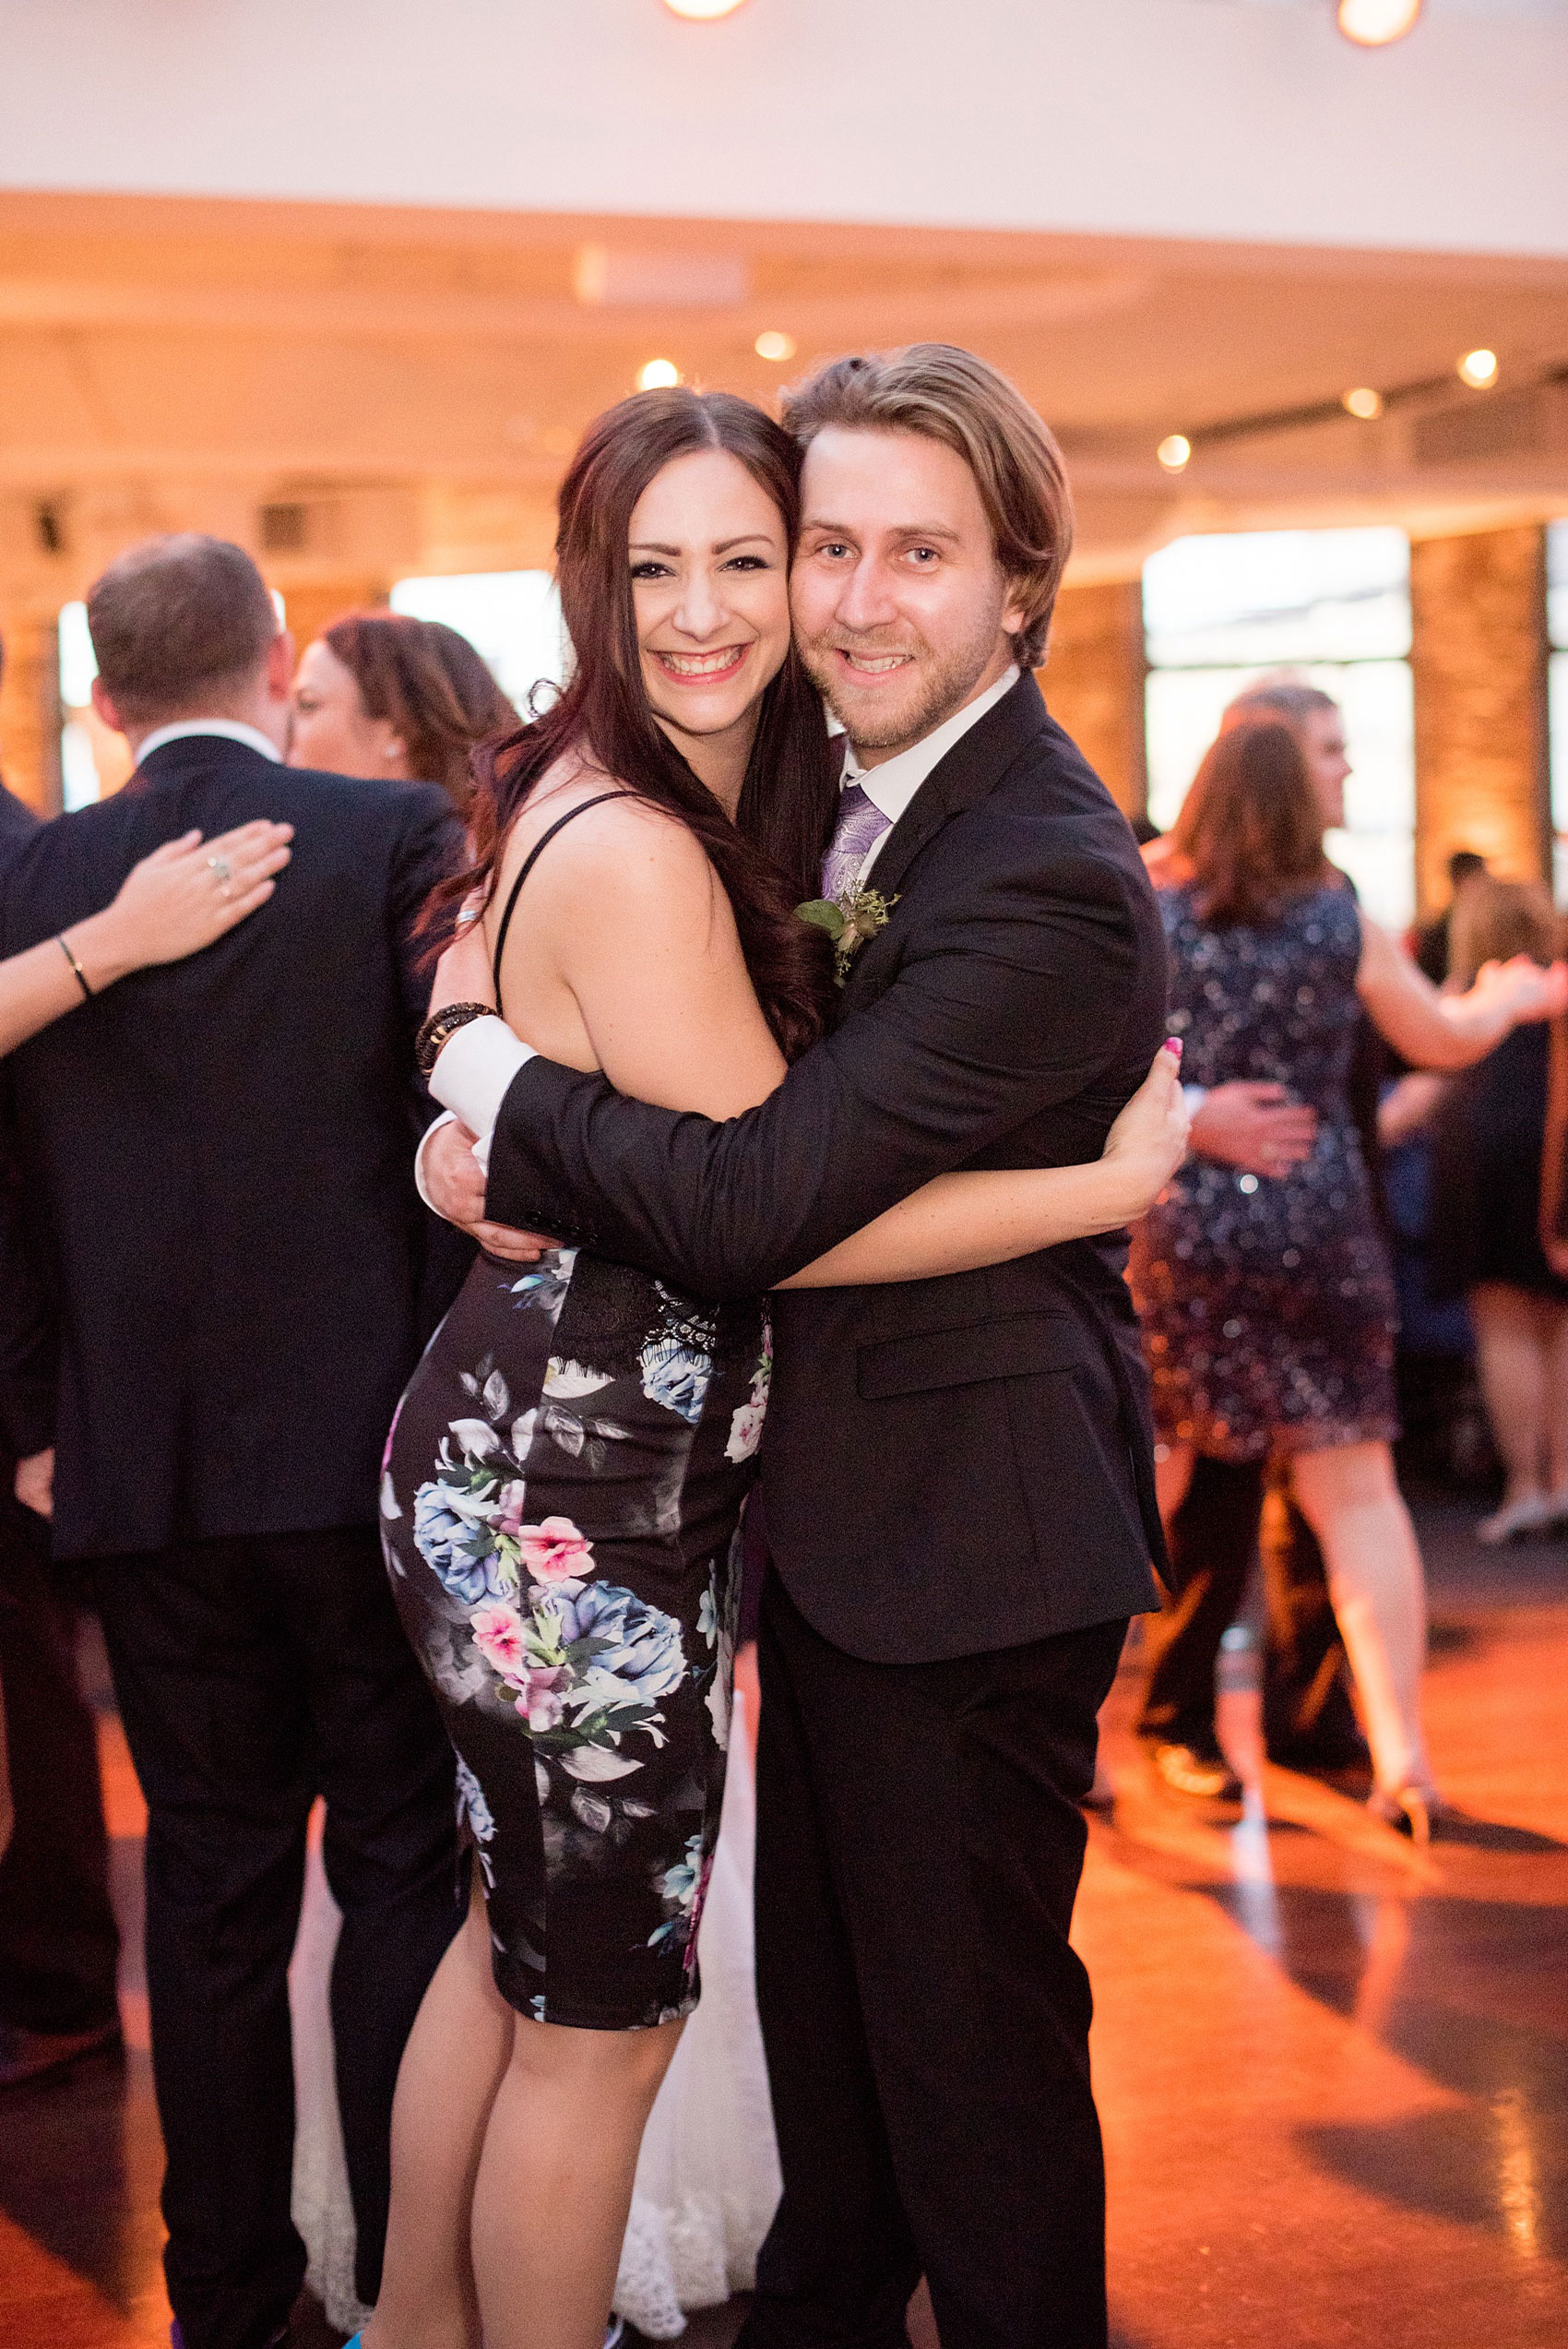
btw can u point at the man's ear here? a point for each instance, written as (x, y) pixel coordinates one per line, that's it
(104, 707)
(280, 665)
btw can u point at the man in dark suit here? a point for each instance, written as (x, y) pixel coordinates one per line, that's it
(957, 1474)
(59, 1943)
(216, 1154)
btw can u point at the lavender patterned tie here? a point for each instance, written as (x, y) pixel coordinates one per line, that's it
(860, 825)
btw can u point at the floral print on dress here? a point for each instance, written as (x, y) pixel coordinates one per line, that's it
(684, 1890)
(544, 1289)
(718, 1619)
(745, 1427)
(677, 1360)
(473, 1815)
(584, 1667)
(561, 1445)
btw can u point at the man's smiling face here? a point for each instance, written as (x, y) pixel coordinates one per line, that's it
(902, 612)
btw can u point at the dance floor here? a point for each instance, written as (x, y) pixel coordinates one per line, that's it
(1334, 2072)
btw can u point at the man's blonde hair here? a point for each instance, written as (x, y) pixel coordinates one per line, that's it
(950, 395)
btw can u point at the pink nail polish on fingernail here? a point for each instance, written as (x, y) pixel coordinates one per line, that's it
(1173, 1046)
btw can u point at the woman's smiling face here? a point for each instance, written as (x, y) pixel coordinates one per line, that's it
(710, 568)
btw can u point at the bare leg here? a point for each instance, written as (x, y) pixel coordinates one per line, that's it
(452, 2067)
(1512, 1367)
(1349, 1497)
(1172, 1475)
(1554, 1317)
(554, 2183)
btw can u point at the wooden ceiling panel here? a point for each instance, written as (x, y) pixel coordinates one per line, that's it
(265, 344)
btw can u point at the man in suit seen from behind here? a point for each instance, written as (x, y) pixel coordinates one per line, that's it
(216, 1160)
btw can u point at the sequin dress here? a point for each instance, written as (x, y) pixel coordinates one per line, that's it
(1267, 1303)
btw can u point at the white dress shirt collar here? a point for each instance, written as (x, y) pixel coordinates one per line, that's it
(230, 729)
(894, 784)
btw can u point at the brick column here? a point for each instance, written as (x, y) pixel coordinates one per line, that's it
(1093, 682)
(1478, 658)
(30, 707)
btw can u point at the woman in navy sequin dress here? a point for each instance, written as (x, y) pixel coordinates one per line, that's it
(1267, 1303)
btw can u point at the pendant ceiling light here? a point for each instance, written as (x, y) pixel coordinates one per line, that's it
(1372, 23)
(702, 8)
(1478, 369)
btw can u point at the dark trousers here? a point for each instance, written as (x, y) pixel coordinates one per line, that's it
(252, 1675)
(919, 1850)
(1213, 1539)
(58, 1939)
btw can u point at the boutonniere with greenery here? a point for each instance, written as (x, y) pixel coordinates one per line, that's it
(850, 921)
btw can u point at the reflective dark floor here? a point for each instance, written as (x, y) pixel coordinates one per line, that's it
(1333, 2072)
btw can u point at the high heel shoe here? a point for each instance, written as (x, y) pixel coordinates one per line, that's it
(1408, 1813)
(1531, 1513)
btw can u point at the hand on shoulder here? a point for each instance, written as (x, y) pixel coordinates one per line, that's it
(1148, 1141)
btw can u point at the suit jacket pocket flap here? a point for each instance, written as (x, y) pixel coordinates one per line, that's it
(1018, 1347)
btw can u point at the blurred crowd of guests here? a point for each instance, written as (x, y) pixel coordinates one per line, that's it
(1274, 1278)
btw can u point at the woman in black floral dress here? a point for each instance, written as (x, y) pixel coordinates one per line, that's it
(565, 1474)
(562, 1489)
(1267, 1301)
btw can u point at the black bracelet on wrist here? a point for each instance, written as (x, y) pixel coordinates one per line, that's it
(64, 946)
(442, 1026)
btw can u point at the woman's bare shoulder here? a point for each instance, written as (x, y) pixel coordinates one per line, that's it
(622, 848)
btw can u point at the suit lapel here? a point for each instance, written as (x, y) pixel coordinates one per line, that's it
(974, 766)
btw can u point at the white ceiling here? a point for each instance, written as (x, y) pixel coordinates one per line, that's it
(1234, 119)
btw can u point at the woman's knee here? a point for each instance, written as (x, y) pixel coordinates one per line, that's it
(1343, 1476)
(628, 2063)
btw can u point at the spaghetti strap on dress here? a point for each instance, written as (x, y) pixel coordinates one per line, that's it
(529, 861)
(562, 1485)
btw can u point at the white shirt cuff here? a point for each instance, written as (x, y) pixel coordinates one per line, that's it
(473, 1073)
(446, 1119)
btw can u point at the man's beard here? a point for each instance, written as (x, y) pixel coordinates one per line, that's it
(946, 682)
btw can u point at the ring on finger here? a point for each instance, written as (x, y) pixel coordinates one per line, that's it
(222, 871)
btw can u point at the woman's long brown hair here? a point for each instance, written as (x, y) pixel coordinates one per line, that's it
(767, 859)
(1249, 828)
(432, 684)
